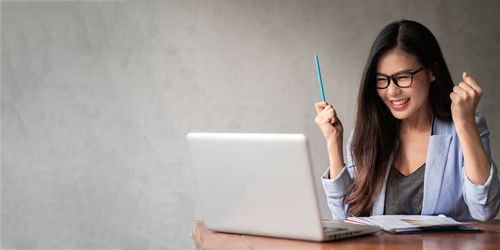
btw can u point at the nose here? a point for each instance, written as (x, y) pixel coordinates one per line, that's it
(392, 89)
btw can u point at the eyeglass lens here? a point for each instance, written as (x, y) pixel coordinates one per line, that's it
(402, 79)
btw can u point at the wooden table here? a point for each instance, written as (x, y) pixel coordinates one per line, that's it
(208, 239)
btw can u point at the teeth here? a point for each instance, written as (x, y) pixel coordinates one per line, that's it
(400, 101)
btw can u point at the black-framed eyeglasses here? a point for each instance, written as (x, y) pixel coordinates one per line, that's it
(402, 79)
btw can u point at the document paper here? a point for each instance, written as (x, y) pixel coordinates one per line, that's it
(414, 223)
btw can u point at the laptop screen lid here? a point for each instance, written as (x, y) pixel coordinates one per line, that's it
(259, 184)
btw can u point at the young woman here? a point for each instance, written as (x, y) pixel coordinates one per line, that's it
(417, 146)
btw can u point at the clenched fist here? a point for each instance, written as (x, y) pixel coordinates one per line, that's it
(464, 100)
(328, 122)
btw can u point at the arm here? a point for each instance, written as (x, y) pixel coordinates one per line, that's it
(465, 98)
(477, 163)
(483, 200)
(481, 184)
(332, 130)
(336, 179)
(336, 157)
(336, 188)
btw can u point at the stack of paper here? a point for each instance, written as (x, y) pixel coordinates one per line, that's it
(414, 223)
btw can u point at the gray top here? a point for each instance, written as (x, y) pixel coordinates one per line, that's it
(404, 194)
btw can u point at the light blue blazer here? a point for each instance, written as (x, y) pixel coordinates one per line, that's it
(447, 190)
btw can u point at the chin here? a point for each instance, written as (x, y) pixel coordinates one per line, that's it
(400, 115)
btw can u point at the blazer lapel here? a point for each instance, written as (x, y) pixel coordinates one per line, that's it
(437, 154)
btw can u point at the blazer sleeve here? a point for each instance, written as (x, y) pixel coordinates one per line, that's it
(483, 200)
(336, 189)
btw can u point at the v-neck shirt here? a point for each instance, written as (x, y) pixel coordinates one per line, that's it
(404, 194)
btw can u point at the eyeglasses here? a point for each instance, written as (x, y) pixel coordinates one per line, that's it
(401, 79)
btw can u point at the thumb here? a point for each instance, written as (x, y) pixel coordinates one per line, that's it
(320, 106)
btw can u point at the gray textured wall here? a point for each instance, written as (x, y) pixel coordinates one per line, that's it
(97, 97)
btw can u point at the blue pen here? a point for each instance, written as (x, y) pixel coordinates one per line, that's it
(319, 78)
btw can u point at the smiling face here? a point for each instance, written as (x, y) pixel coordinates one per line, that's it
(409, 102)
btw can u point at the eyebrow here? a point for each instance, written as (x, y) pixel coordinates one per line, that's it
(401, 71)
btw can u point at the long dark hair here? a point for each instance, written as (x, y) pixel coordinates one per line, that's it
(376, 130)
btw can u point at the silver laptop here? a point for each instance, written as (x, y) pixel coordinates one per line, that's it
(261, 184)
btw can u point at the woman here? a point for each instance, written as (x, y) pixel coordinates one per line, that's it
(417, 146)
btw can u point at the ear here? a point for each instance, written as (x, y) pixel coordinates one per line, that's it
(434, 66)
(433, 78)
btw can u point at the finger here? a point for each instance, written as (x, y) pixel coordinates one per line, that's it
(453, 96)
(328, 108)
(320, 106)
(459, 90)
(467, 89)
(323, 117)
(472, 82)
(334, 117)
(333, 120)
(325, 110)
(327, 114)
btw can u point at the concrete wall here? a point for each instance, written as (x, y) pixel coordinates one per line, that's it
(97, 97)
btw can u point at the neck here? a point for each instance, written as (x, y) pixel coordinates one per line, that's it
(419, 122)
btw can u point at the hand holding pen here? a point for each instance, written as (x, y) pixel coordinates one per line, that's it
(326, 118)
(332, 130)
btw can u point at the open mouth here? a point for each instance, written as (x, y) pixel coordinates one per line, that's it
(399, 104)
